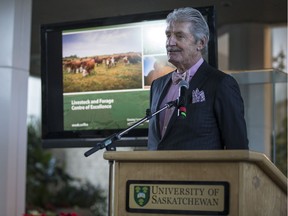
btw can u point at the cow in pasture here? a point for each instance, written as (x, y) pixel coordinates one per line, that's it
(88, 66)
(125, 60)
(132, 59)
(110, 62)
(118, 58)
(73, 66)
(67, 66)
(98, 61)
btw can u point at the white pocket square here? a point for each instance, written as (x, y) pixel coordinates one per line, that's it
(198, 96)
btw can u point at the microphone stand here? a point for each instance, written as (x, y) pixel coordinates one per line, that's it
(117, 136)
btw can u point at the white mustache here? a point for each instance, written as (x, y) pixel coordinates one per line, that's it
(172, 49)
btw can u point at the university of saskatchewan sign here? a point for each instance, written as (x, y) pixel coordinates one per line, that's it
(178, 197)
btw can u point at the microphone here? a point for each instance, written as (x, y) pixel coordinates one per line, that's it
(183, 86)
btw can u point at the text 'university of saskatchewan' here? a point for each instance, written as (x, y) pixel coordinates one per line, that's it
(171, 192)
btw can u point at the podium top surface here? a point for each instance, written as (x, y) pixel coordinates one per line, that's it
(185, 155)
(229, 156)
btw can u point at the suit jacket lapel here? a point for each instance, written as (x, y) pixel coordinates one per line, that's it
(197, 81)
(165, 84)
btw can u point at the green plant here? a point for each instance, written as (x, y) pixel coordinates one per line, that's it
(49, 187)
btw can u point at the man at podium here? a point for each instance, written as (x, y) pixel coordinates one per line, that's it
(212, 115)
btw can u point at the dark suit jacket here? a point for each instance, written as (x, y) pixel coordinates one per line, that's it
(217, 122)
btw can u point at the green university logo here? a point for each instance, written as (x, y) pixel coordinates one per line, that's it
(141, 195)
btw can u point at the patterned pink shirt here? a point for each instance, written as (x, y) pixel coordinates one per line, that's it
(172, 95)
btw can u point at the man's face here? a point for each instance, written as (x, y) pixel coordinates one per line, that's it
(181, 46)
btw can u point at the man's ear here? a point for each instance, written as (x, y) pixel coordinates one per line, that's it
(202, 42)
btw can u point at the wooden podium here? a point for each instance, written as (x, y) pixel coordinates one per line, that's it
(226, 182)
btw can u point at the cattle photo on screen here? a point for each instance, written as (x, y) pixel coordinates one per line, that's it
(107, 74)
